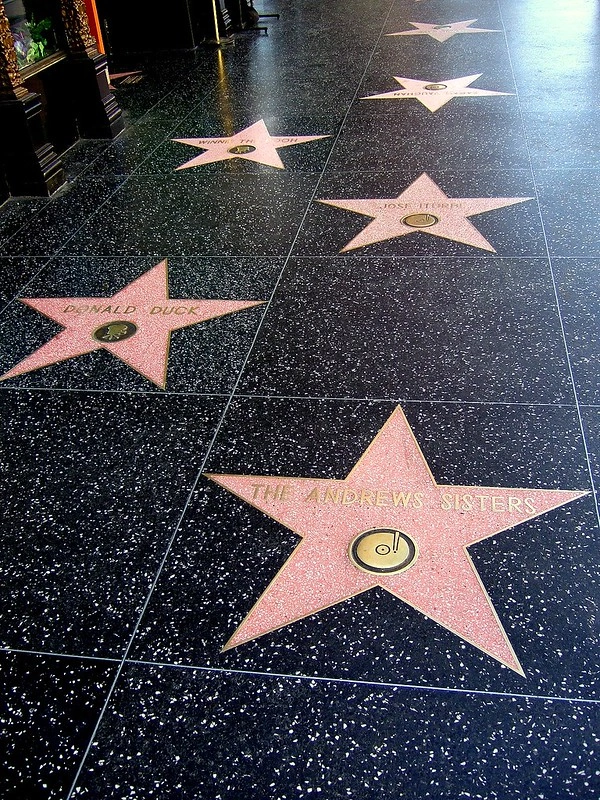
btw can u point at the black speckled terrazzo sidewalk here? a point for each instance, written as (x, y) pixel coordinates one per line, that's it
(300, 420)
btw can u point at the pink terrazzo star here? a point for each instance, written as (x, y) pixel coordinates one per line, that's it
(253, 143)
(422, 208)
(434, 94)
(389, 492)
(134, 324)
(441, 33)
(134, 76)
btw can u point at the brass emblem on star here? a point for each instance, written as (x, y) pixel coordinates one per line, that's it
(115, 332)
(435, 87)
(440, 27)
(383, 550)
(420, 220)
(241, 149)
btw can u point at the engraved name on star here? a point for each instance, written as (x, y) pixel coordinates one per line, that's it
(135, 324)
(253, 143)
(388, 524)
(441, 33)
(422, 208)
(435, 94)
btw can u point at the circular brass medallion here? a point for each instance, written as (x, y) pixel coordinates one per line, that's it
(115, 332)
(420, 220)
(383, 550)
(435, 87)
(241, 149)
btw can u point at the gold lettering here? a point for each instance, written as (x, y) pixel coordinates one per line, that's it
(366, 497)
(402, 497)
(98, 309)
(277, 492)
(446, 502)
(382, 498)
(273, 492)
(349, 496)
(313, 495)
(514, 504)
(482, 498)
(482, 502)
(418, 500)
(498, 503)
(333, 495)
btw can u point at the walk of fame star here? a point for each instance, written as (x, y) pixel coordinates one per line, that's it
(434, 94)
(388, 524)
(134, 76)
(135, 324)
(441, 33)
(422, 207)
(253, 143)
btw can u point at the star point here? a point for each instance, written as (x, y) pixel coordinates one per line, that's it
(135, 325)
(388, 524)
(253, 143)
(422, 208)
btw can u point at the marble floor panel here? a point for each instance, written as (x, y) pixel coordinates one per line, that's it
(134, 147)
(49, 710)
(90, 509)
(578, 297)
(56, 221)
(401, 50)
(562, 194)
(475, 328)
(432, 9)
(394, 137)
(565, 140)
(16, 272)
(553, 54)
(166, 80)
(198, 214)
(393, 744)
(300, 419)
(16, 214)
(591, 421)
(323, 92)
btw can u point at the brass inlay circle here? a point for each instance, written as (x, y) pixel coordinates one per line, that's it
(435, 87)
(241, 149)
(420, 220)
(115, 332)
(383, 550)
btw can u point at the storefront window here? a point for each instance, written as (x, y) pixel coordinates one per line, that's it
(33, 30)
